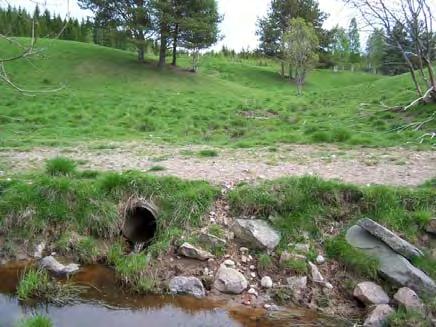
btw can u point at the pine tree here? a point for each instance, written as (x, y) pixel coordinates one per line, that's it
(354, 41)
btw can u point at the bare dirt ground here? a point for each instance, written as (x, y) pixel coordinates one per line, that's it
(391, 166)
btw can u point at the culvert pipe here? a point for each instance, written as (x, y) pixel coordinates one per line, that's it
(140, 222)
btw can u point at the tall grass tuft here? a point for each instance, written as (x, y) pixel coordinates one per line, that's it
(60, 166)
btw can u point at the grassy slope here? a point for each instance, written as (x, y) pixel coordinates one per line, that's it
(109, 96)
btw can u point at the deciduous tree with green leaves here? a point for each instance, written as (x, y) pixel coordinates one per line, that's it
(301, 45)
(375, 49)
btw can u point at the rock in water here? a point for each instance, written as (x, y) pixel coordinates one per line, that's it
(370, 293)
(230, 281)
(256, 234)
(409, 299)
(190, 251)
(379, 316)
(394, 241)
(51, 264)
(392, 265)
(187, 285)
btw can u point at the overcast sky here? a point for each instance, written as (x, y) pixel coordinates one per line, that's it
(240, 16)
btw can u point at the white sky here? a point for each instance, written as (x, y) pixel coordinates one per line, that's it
(240, 16)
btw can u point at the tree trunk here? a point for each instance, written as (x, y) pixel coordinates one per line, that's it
(163, 49)
(175, 40)
(141, 51)
(283, 70)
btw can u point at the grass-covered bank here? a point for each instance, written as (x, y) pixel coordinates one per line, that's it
(80, 214)
(325, 209)
(231, 102)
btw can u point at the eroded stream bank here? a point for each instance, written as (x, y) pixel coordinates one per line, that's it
(104, 303)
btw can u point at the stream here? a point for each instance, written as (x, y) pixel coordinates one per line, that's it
(104, 303)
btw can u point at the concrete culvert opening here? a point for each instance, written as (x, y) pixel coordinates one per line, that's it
(140, 222)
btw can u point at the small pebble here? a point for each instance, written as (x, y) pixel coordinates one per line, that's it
(266, 282)
(229, 263)
(252, 267)
(243, 250)
(252, 291)
(320, 259)
(253, 274)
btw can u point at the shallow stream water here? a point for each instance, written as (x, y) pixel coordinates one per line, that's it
(104, 303)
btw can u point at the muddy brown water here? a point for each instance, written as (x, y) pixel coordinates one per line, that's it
(104, 303)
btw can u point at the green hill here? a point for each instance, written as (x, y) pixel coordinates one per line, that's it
(242, 103)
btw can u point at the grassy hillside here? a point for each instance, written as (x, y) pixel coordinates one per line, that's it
(109, 96)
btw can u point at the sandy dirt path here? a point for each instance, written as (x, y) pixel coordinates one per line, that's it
(391, 166)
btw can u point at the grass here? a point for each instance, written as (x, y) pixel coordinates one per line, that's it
(353, 259)
(426, 263)
(207, 153)
(264, 261)
(110, 97)
(297, 266)
(35, 321)
(133, 269)
(156, 168)
(60, 166)
(408, 318)
(37, 284)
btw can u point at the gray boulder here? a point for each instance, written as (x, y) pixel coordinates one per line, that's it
(392, 265)
(230, 281)
(212, 240)
(190, 251)
(379, 316)
(408, 299)
(256, 234)
(394, 241)
(51, 264)
(370, 293)
(187, 285)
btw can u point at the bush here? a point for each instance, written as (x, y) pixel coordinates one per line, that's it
(207, 153)
(60, 166)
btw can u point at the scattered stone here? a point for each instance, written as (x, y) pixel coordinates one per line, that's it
(250, 258)
(253, 274)
(190, 251)
(212, 240)
(408, 299)
(297, 284)
(256, 234)
(246, 299)
(286, 256)
(187, 285)
(38, 250)
(244, 259)
(243, 250)
(431, 226)
(328, 285)
(230, 281)
(266, 282)
(316, 275)
(229, 263)
(394, 241)
(392, 265)
(370, 293)
(227, 256)
(300, 248)
(271, 307)
(51, 264)
(379, 316)
(252, 267)
(252, 291)
(206, 271)
(320, 259)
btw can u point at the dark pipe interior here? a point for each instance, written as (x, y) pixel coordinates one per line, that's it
(140, 225)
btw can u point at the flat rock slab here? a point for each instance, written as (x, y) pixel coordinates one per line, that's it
(256, 234)
(395, 242)
(392, 265)
(187, 285)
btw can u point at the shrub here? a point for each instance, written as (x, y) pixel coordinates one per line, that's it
(35, 321)
(207, 153)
